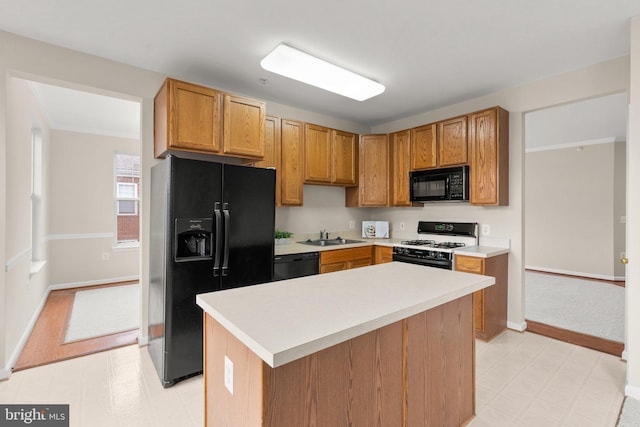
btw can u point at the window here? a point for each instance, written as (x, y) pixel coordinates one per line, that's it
(127, 198)
(36, 196)
(127, 194)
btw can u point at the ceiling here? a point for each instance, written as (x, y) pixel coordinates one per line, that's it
(427, 53)
(596, 120)
(79, 111)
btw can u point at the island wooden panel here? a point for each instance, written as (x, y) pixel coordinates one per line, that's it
(440, 371)
(414, 373)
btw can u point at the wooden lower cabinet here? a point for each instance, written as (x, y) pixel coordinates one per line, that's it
(415, 372)
(345, 259)
(489, 304)
(382, 254)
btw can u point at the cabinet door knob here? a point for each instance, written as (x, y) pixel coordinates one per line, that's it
(625, 261)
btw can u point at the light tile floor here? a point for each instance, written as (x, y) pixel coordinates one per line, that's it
(522, 380)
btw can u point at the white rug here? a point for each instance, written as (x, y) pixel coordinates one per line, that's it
(586, 306)
(630, 416)
(104, 311)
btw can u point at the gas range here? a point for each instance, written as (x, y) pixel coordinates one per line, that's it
(432, 244)
(438, 250)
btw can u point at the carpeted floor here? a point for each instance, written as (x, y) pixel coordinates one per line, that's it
(587, 306)
(630, 415)
(104, 311)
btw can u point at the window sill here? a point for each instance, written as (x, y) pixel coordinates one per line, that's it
(36, 267)
(126, 246)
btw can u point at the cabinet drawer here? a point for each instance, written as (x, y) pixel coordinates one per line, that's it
(360, 263)
(469, 264)
(336, 266)
(339, 255)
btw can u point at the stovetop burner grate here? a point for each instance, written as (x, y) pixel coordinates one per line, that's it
(433, 244)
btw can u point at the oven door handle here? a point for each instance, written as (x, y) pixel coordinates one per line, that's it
(427, 263)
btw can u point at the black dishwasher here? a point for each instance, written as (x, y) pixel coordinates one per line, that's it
(296, 265)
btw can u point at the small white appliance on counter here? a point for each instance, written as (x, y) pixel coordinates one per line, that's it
(375, 229)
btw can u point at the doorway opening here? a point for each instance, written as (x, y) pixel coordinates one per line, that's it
(87, 227)
(575, 201)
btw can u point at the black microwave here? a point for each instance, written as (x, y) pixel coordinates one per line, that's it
(440, 185)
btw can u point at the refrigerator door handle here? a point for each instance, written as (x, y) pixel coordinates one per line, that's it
(216, 262)
(225, 262)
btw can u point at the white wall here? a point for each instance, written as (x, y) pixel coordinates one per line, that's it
(570, 200)
(82, 220)
(323, 209)
(29, 58)
(600, 79)
(632, 288)
(34, 60)
(23, 291)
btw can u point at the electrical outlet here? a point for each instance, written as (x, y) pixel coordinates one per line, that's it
(228, 374)
(623, 219)
(401, 225)
(352, 225)
(105, 256)
(486, 229)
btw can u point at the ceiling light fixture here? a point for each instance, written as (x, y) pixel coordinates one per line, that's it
(297, 65)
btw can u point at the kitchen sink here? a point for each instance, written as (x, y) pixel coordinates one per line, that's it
(329, 242)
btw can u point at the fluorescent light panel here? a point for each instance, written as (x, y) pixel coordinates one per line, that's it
(297, 65)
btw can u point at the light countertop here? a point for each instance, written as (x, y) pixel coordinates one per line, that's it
(481, 251)
(286, 320)
(296, 248)
(477, 251)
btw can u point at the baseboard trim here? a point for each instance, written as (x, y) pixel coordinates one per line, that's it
(576, 273)
(72, 285)
(143, 340)
(15, 354)
(520, 327)
(583, 340)
(5, 374)
(632, 391)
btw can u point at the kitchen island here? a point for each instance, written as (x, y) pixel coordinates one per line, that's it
(389, 345)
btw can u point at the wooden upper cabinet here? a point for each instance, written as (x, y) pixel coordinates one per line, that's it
(291, 162)
(189, 117)
(331, 156)
(345, 158)
(452, 142)
(424, 147)
(272, 150)
(318, 154)
(489, 162)
(400, 145)
(372, 189)
(243, 127)
(186, 117)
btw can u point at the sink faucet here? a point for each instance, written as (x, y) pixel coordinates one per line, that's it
(324, 234)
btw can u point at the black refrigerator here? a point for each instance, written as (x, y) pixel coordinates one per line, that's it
(212, 228)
